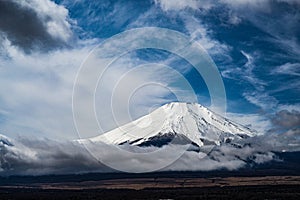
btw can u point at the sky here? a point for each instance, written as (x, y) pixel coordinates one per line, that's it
(255, 45)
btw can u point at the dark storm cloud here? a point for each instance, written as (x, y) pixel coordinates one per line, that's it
(34, 156)
(295, 132)
(22, 27)
(287, 119)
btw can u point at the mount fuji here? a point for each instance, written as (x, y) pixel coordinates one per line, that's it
(207, 139)
(177, 123)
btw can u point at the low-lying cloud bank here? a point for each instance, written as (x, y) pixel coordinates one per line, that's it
(43, 156)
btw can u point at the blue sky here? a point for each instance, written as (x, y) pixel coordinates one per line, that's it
(255, 45)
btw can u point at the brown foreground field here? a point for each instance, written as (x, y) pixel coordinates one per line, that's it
(268, 187)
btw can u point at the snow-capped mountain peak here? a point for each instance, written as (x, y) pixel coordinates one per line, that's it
(180, 122)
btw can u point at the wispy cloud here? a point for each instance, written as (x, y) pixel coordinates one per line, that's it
(257, 93)
(258, 122)
(268, 15)
(288, 69)
(176, 5)
(44, 89)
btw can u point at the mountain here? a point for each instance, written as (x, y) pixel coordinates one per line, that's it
(217, 143)
(182, 123)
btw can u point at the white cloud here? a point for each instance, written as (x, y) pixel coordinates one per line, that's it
(256, 122)
(248, 73)
(193, 27)
(289, 107)
(200, 33)
(177, 4)
(288, 68)
(262, 100)
(262, 5)
(40, 89)
(36, 94)
(258, 4)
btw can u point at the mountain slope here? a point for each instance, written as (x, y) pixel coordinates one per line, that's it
(179, 123)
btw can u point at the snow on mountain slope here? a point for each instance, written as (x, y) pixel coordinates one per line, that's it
(179, 122)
